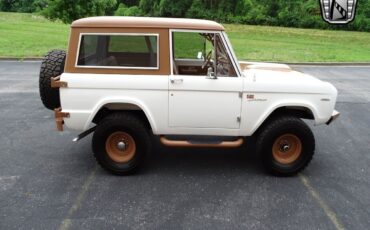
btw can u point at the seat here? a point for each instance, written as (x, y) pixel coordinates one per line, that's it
(109, 61)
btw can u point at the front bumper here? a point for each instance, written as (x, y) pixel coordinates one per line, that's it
(333, 117)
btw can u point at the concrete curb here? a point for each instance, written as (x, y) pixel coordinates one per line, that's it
(319, 63)
(288, 63)
(21, 59)
(329, 63)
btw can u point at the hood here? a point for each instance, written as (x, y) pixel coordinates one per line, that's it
(272, 77)
(263, 65)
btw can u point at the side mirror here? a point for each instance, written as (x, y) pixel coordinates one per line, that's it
(211, 74)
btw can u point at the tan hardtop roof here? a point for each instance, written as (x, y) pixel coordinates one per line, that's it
(146, 22)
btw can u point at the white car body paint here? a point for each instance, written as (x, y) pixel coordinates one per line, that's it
(275, 89)
(195, 105)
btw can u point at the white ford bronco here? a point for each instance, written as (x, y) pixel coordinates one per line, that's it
(128, 78)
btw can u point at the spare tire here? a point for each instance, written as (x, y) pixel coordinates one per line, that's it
(52, 66)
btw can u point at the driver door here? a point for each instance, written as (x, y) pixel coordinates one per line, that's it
(197, 99)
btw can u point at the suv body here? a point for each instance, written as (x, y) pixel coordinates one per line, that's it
(150, 68)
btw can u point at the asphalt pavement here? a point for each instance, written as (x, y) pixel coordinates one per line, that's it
(49, 182)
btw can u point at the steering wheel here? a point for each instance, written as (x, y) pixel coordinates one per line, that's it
(223, 59)
(208, 60)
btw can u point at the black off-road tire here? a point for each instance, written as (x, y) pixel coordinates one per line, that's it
(117, 123)
(271, 134)
(52, 66)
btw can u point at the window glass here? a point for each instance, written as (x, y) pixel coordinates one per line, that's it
(188, 45)
(224, 67)
(88, 46)
(119, 51)
(200, 53)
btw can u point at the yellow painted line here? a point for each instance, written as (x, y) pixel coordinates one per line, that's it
(331, 214)
(67, 222)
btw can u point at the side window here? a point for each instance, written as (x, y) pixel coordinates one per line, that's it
(88, 46)
(195, 53)
(122, 51)
(188, 45)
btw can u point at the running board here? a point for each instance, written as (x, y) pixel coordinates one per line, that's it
(201, 144)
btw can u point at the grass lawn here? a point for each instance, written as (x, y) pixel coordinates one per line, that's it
(26, 35)
(298, 45)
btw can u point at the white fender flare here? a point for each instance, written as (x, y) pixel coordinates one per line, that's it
(122, 100)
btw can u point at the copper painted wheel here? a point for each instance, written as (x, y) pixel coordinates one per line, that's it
(120, 147)
(287, 148)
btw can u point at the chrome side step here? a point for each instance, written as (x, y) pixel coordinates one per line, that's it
(202, 144)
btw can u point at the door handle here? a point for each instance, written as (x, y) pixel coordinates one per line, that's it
(177, 81)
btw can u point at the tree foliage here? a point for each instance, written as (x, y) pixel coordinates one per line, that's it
(293, 13)
(70, 10)
(124, 10)
(26, 6)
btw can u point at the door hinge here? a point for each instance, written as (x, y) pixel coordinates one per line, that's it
(55, 82)
(238, 119)
(240, 94)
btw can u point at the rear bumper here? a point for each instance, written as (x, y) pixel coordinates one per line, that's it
(333, 117)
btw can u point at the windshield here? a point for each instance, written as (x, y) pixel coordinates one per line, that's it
(233, 56)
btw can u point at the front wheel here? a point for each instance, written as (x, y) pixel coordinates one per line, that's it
(120, 143)
(286, 145)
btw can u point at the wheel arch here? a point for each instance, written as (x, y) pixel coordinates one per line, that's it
(305, 111)
(108, 106)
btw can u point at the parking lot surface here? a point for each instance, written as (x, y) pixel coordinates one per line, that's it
(49, 182)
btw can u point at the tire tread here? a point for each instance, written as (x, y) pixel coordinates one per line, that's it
(52, 66)
(116, 119)
(276, 124)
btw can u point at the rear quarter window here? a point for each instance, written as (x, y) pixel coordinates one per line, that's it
(119, 51)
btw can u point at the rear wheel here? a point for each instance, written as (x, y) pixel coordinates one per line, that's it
(120, 147)
(120, 143)
(286, 145)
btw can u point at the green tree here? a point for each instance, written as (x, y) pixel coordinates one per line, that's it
(129, 3)
(292, 13)
(25, 6)
(150, 7)
(70, 10)
(39, 4)
(170, 8)
(197, 10)
(123, 10)
(6, 5)
(242, 7)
